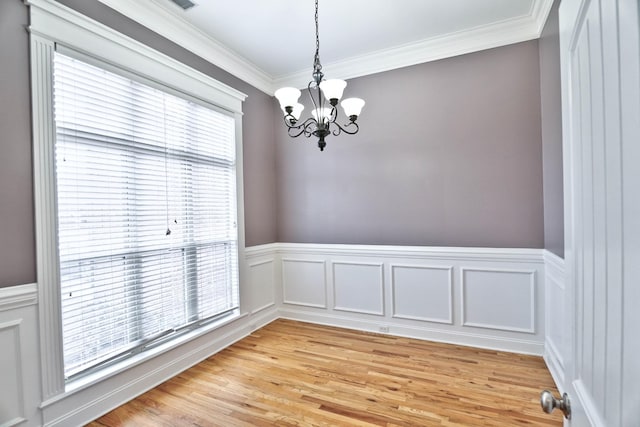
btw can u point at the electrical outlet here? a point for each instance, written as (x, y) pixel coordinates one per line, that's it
(384, 329)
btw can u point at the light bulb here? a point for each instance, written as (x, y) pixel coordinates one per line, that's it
(323, 113)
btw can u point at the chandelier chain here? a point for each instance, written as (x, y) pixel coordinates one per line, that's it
(316, 60)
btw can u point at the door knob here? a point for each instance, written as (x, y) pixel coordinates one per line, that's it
(549, 403)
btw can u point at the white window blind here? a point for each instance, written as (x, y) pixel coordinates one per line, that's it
(146, 197)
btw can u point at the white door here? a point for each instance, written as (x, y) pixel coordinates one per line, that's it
(600, 57)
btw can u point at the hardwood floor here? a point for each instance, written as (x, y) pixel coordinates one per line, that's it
(299, 374)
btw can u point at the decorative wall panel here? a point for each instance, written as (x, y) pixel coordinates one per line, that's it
(358, 287)
(422, 293)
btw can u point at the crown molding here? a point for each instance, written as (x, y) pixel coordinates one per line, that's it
(158, 17)
(516, 30)
(540, 12)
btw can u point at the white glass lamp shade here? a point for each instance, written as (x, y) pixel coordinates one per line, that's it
(297, 110)
(352, 106)
(288, 96)
(324, 113)
(333, 88)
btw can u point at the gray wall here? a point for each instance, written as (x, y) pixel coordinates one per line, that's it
(17, 246)
(449, 154)
(552, 134)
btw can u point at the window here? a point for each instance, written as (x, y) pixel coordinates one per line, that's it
(146, 198)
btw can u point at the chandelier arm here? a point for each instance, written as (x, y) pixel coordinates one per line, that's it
(318, 104)
(294, 125)
(334, 114)
(313, 101)
(345, 130)
(304, 128)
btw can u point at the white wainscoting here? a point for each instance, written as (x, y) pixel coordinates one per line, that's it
(262, 285)
(358, 287)
(499, 299)
(490, 298)
(421, 292)
(556, 345)
(304, 282)
(19, 363)
(428, 293)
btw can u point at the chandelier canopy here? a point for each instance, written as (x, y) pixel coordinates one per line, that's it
(323, 120)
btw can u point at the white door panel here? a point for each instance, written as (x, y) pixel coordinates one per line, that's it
(600, 56)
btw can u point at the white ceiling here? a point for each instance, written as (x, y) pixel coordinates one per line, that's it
(271, 43)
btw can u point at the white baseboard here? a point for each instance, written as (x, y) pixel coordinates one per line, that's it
(489, 342)
(555, 365)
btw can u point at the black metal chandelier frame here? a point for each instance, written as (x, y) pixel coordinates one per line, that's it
(319, 126)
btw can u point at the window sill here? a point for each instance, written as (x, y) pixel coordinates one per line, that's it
(77, 385)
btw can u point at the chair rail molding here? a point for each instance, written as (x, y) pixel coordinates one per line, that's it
(18, 296)
(416, 291)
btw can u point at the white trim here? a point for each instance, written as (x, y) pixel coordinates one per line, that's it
(540, 10)
(381, 287)
(494, 35)
(14, 326)
(492, 342)
(590, 408)
(324, 280)
(533, 256)
(532, 296)
(554, 267)
(264, 307)
(554, 364)
(156, 16)
(47, 267)
(18, 296)
(239, 164)
(256, 264)
(60, 24)
(554, 282)
(14, 422)
(529, 339)
(161, 20)
(448, 321)
(268, 249)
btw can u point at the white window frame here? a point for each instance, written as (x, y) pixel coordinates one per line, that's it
(52, 25)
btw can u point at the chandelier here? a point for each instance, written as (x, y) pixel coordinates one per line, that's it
(323, 120)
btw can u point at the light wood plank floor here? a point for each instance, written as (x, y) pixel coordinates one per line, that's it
(299, 374)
